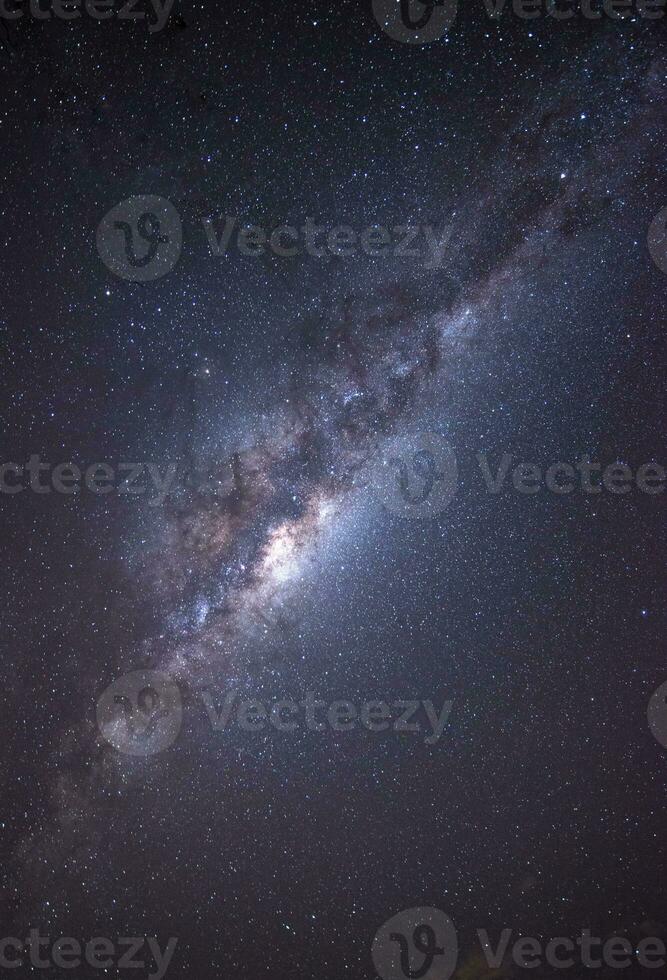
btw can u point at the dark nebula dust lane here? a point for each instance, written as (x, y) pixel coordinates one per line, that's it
(286, 398)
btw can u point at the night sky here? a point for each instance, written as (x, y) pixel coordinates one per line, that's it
(288, 396)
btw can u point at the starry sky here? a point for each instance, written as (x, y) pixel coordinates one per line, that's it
(273, 568)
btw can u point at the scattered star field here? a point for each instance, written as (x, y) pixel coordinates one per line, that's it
(277, 400)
